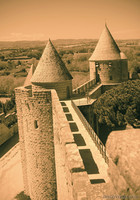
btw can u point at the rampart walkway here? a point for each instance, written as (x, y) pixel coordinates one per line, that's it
(94, 163)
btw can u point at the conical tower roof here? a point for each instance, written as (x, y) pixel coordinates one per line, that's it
(50, 67)
(106, 48)
(29, 76)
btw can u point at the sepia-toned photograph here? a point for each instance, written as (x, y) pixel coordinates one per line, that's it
(70, 100)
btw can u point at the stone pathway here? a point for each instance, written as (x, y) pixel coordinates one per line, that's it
(93, 160)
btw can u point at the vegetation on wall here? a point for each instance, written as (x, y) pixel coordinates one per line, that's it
(22, 196)
(119, 105)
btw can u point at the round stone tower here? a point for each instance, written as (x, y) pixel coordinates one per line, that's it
(35, 122)
(51, 73)
(107, 63)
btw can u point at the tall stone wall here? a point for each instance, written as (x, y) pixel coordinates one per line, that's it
(19, 95)
(97, 92)
(37, 143)
(123, 150)
(77, 179)
(92, 70)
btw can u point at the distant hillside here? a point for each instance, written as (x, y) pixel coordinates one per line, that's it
(59, 42)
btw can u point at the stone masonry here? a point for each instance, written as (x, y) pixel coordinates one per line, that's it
(36, 142)
(107, 63)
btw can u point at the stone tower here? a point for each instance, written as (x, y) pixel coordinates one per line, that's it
(35, 122)
(51, 73)
(107, 63)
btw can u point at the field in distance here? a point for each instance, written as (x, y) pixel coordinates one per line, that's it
(17, 57)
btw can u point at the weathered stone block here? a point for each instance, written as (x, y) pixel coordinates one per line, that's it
(80, 182)
(73, 159)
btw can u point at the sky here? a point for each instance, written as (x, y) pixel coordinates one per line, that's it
(68, 19)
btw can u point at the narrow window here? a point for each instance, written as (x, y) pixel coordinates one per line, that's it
(97, 64)
(110, 77)
(110, 64)
(35, 124)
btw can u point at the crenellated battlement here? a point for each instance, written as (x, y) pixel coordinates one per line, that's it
(37, 142)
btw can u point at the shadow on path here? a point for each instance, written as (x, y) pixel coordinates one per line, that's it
(69, 117)
(96, 181)
(63, 103)
(79, 140)
(89, 162)
(65, 109)
(73, 127)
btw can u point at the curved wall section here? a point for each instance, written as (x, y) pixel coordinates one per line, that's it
(63, 89)
(38, 148)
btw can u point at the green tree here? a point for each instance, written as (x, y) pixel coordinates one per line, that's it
(119, 105)
(22, 196)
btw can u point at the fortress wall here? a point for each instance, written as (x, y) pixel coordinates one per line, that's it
(97, 93)
(92, 70)
(123, 166)
(18, 97)
(77, 178)
(119, 181)
(85, 87)
(60, 87)
(37, 144)
(108, 87)
(40, 147)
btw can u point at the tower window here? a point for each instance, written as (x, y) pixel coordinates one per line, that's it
(110, 64)
(97, 64)
(35, 124)
(110, 77)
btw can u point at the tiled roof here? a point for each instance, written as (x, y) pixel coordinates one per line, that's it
(106, 48)
(50, 67)
(29, 76)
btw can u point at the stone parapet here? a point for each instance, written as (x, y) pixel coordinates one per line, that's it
(76, 176)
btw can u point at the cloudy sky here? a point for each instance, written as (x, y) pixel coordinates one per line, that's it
(65, 19)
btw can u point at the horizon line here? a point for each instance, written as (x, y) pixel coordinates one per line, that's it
(24, 40)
